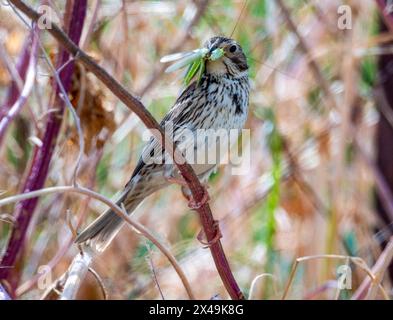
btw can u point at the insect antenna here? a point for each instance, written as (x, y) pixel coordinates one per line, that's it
(280, 71)
(238, 19)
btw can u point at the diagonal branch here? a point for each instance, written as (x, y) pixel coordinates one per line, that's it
(324, 84)
(140, 228)
(135, 105)
(367, 288)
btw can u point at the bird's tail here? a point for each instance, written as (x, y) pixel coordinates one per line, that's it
(102, 230)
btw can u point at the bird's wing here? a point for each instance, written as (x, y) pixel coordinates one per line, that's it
(178, 116)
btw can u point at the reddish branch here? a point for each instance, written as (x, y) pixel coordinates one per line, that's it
(197, 190)
(42, 155)
(384, 132)
(382, 169)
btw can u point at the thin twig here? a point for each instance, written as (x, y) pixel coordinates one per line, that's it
(7, 218)
(307, 51)
(70, 107)
(370, 285)
(100, 282)
(358, 261)
(24, 287)
(54, 291)
(75, 274)
(379, 269)
(149, 260)
(64, 95)
(116, 209)
(85, 40)
(251, 295)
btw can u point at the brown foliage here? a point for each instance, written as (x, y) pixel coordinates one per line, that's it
(97, 120)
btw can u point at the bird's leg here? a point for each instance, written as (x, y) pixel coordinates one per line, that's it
(192, 204)
(195, 205)
(180, 181)
(170, 177)
(217, 237)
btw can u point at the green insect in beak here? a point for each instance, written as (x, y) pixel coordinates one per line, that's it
(195, 60)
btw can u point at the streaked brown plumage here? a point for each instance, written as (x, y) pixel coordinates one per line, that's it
(218, 101)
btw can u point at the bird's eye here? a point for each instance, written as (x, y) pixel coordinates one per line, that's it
(233, 48)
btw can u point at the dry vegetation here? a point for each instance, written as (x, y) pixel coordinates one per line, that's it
(310, 188)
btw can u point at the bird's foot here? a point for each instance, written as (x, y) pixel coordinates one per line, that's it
(192, 204)
(216, 238)
(180, 181)
(195, 205)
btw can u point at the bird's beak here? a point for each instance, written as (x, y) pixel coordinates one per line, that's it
(210, 51)
(215, 53)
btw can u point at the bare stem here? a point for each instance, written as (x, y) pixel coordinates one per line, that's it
(370, 285)
(76, 273)
(307, 51)
(356, 260)
(116, 209)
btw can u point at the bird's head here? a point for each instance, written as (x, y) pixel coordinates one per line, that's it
(232, 61)
(219, 56)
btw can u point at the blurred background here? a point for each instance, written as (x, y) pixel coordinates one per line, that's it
(321, 176)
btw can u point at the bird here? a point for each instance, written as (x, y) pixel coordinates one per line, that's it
(218, 100)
